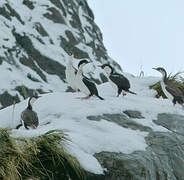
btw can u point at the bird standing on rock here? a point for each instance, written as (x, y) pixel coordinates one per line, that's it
(29, 117)
(171, 91)
(118, 81)
(84, 84)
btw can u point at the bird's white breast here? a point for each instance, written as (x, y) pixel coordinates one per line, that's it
(80, 84)
(71, 76)
(168, 95)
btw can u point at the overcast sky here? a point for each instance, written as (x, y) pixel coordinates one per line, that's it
(142, 33)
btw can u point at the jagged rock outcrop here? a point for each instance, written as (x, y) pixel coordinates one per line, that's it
(36, 38)
(162, 160)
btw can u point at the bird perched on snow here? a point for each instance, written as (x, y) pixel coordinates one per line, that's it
(118, 81)
(171, 91)
(29, 117)
(71, 73)
(84, 84)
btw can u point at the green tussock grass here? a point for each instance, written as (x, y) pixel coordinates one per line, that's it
(175, 79)
(42, 157)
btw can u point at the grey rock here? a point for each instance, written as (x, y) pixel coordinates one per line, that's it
(162, 160)
(172, 122)
(40, 29)
(29, 4)
(133, 114)
(55, 16)
(48, 65)
(7, 99)
(59, 4)
(121, 120)
(1, 60)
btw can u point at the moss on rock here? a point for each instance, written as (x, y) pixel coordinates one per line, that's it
(42, 157)
(7, 99)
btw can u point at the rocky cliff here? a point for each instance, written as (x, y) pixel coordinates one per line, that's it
(126, 138)
(35, 39)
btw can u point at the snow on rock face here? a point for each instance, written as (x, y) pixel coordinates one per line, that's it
(36, 37)
(91, 136)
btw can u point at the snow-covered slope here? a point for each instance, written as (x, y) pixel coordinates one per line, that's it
(62, 110)
(36, 37)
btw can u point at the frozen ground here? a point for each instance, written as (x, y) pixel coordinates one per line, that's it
(65, 111)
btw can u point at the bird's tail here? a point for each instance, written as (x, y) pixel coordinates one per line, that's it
(131, 92)
(100, 97)
(18, 126)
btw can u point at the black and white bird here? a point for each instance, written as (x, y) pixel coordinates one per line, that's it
(119, 82)
(170, 90)
(29, 118)
(84, 84)
(71, 73)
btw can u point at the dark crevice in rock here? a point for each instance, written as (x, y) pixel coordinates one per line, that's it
(4, 13)
(29, 62)
(68, 47)
(1, 60)
(40, 29)
(58, 4)
(32, 78)
(133, 114)
(29, 4)
(72, 40)
(87, 9)
(54, 16)
(75, 22)
(26, 92)
(7, 99)
(48, 65)
(13, 13)
(98, 50)
(10, 58)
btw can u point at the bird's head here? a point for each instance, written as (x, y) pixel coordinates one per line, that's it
(107, 68)
(161, 70)
(82, 63)
(33, 98)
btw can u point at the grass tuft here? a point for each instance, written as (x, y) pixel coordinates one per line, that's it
(42, 157)
(175, 79)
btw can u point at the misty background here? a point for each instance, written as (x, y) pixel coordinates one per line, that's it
(142, 34)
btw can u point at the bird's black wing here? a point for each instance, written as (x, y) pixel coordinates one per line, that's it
(86, 78)
(120, 80)
(91, 85)
(174, 90)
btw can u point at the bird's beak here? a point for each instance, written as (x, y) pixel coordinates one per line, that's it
(38, 97)
(100, 66)
(155, 69)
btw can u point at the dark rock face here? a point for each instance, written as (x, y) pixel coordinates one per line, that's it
(29, 4)
(40, 35)
(55, 16)
(40, 29)
(133, 114)
(121, 120)
(162, 160)
(172, 122)
(7, 99)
